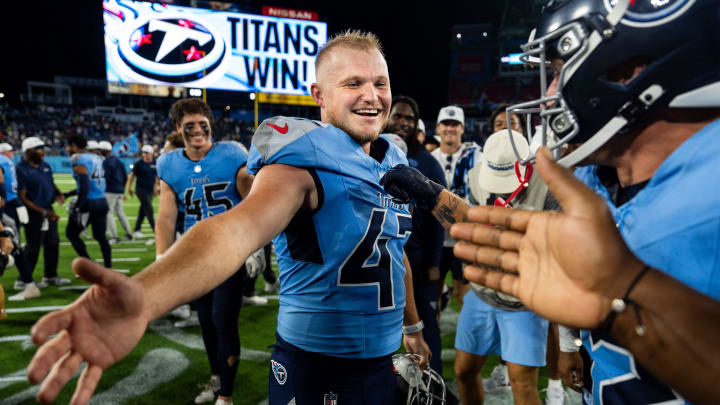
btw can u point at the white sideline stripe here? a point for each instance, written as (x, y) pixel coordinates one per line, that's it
(64, 181)
(125, 271)
(34, 309)
(121, 259)
(16, 338)
(130, 250)
(74, 287)
(13, 379)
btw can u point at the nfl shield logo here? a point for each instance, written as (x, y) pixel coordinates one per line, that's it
(330, 399)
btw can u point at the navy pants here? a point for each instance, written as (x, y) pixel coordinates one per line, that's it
(218, 313)
(97, 209)
(310, 378)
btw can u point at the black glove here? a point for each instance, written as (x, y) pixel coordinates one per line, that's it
(76, 216)
(406, 184)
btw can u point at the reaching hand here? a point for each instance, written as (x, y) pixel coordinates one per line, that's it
(415, 343)
(566, 266)
(99, 328)
(570, 368)
(405, 184)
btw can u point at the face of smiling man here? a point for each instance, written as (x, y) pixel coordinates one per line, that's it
(353, 92)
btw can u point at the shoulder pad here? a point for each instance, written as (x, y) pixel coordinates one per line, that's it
(275, 133)
(234, 144)
(75, 158)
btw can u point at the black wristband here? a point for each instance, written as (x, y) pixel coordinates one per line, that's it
(5, 234)
(619, 305)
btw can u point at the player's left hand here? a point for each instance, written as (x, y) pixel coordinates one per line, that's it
(415, 343)
(405, 184)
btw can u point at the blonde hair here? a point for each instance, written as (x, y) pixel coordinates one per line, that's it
(353, 39)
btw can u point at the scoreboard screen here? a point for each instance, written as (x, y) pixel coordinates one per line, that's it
(163, 44)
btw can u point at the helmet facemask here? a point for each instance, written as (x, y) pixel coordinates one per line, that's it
(573, 43)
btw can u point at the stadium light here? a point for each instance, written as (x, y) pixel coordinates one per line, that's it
(252, 96)
(227, 108)
(458, 36)
(2, 95)
(195, 92)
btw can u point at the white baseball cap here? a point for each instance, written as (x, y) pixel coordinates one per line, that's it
(396, 140)
(5, 147)
(451, 113)
(92, 145)
(31, 143)
(421, 125)
(497, 170)
(147, 149)
(105, 145)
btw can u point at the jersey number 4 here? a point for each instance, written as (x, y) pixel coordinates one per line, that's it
(370, 263)
(193, 206)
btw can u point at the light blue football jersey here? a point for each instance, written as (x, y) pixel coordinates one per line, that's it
(206, 187)
(11, 183)
(672, 224)
(341, 266)
(94, 165)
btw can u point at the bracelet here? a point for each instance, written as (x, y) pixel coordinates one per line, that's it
(619, 305)
(409, 330)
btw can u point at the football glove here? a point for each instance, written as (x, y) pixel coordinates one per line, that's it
(406, 184)
(255, 264)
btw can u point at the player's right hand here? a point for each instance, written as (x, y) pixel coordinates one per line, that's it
(99, 328)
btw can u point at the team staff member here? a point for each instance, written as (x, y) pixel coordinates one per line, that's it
(115, 179)
(147, 187)
(341, 313)
(203, 180)
(38, 192)
(12, 211)
(90, 208)
(451, 127)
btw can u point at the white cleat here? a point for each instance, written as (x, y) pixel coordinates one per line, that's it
(30, 291)
(186, 323)
(209, 390)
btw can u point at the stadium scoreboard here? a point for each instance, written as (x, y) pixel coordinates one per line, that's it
(168, 45)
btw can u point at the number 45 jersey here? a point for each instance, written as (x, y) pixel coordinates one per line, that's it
(206, 187)
(341, 266)
(93, 164)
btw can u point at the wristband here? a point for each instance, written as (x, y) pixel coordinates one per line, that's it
(619, 305)
(5, 234)
(409, 330)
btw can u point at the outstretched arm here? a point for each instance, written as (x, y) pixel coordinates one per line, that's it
(106, 322)
(568, 266)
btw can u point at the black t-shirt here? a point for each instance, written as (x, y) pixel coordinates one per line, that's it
(145, 174)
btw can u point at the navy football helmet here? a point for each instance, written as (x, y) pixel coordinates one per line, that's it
(678, 41)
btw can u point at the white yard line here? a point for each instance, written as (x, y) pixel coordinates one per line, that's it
(15, 338)
(34, 309)
(121, 259)
(129, 250)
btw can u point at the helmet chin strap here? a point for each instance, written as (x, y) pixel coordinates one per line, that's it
(595, 142)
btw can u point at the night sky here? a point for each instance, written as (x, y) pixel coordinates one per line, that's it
(65, 37)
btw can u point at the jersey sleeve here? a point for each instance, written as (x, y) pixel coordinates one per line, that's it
(75, 159)
(163, 166)
(283, 140)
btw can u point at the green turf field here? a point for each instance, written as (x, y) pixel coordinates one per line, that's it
(169, 365)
